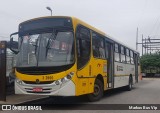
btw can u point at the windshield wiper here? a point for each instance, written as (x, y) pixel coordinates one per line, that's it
(51, 38)
(36, 45)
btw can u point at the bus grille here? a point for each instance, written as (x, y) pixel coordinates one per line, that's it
(42, 82)
(38, 92)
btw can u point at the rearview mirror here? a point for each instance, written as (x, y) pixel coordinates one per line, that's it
(14, 42)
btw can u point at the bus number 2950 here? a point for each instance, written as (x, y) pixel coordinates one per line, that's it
(47, 77)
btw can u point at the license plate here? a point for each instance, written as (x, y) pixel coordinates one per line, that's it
(37, 89)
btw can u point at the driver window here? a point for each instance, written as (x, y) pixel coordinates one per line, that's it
(83, 46)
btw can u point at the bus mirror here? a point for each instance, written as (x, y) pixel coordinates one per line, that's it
(14, 42)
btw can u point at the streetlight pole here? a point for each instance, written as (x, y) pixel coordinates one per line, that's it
(49, 9)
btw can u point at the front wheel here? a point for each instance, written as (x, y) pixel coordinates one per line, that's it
(98, 91)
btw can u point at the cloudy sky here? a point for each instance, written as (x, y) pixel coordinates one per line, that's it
(117, 18)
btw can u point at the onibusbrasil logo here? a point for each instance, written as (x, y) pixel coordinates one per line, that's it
(20, 108)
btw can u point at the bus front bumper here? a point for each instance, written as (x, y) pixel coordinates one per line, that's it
(64, 89)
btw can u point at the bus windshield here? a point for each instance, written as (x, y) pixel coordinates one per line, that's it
(46, 49)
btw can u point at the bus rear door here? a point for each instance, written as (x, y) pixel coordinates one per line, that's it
(110, 69)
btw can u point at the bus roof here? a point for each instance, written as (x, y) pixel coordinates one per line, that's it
(44, 17)
(73, 19)
(102, 33)
(121, 43)
(78, 21)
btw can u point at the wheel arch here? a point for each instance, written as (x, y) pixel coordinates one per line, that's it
(100, 77)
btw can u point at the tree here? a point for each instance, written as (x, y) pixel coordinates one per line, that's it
(150, 61)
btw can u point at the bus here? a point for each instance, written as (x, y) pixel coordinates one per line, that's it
(64, 56)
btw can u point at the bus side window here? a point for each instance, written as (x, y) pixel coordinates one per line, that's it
(123, 57)
(98, 46)
(128, 60)
(83, 46)
(116, 53)
(107, 47)
(132, 57)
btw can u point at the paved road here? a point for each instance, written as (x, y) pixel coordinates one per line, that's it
(145, 92)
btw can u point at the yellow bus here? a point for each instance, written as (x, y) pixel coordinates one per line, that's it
(64, 56)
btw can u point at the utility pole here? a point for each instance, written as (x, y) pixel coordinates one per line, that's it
(145, 45)
(149, 45)
(142, 44)
(137, 39)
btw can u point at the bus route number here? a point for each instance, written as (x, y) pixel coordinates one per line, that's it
(47, 77)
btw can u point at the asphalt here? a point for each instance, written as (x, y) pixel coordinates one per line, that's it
(19, 99)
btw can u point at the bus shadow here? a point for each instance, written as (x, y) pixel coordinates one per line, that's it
(115, 91)
(76, 100)
(84, 100)
(74, 103)
(61, 103)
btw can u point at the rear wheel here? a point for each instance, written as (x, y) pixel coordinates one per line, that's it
(98, 91)
(130, 85)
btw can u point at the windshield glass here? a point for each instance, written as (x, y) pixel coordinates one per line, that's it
(46, 49)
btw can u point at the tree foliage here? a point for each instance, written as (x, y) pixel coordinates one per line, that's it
(148, 61)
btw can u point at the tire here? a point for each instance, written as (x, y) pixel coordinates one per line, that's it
(98, 91)
(130, 84)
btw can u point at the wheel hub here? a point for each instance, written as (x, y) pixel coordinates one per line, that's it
(96, 90)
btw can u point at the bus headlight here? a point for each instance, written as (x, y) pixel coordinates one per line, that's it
(64, 79)
(57, 82)
(68, 76)
(19, 81)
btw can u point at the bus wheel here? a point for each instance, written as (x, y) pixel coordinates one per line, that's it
(98, 91)
(130, 85)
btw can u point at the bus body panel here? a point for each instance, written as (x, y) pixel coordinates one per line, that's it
(122, 72)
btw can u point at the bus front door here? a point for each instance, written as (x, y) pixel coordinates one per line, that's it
(110, 69)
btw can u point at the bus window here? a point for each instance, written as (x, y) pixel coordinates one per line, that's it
(123, 58)
(116, 54)
(127, 56)
(98, 46)
(83, 46)
(132, 57)
(116, 48)
(107, 49)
